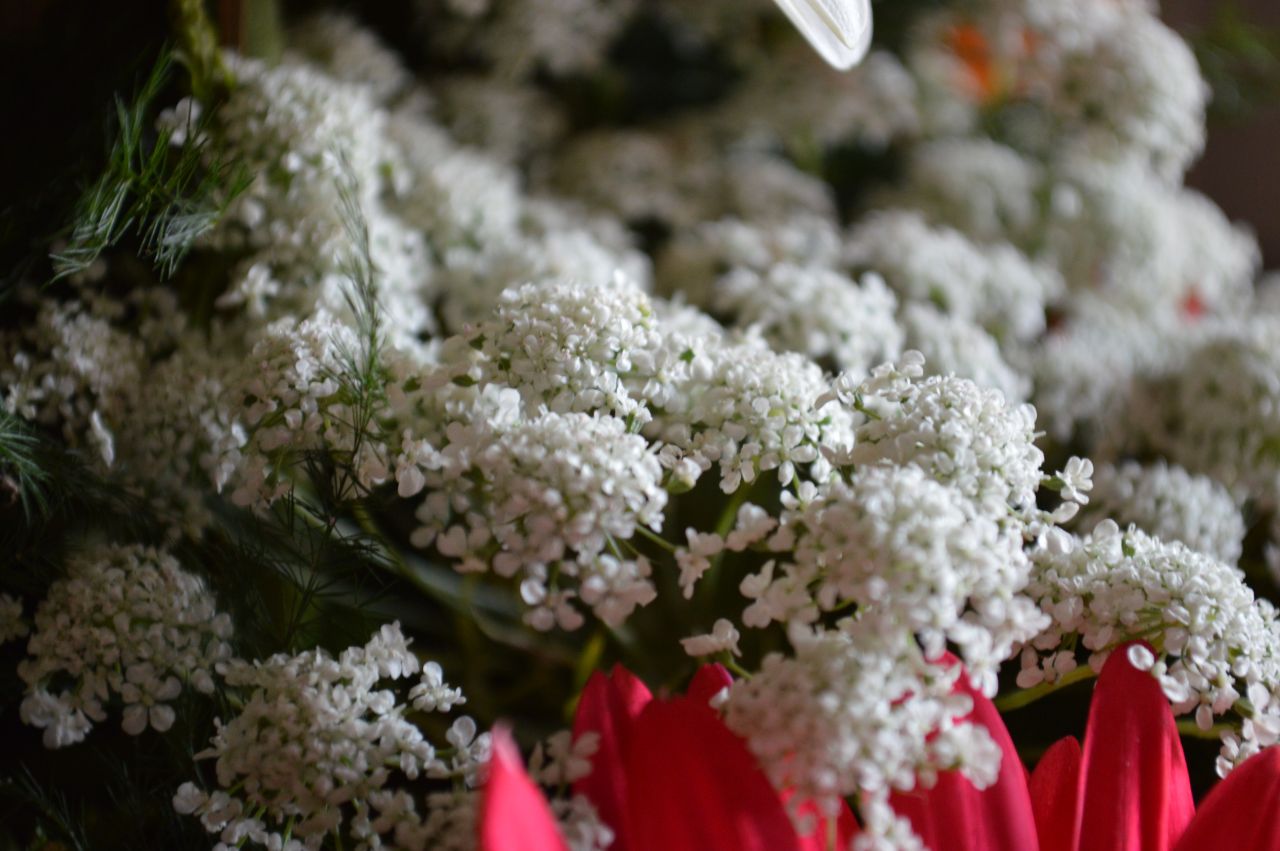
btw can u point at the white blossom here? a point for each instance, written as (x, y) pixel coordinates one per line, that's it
(126, 625)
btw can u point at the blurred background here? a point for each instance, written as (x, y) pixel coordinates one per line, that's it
(1241, 166)
(62, 60)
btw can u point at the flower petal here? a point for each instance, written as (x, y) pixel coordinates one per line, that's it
(1055, 794)
(514, 815)
(609, 706)
(694, 786)
(1243, 811)
(956, 816)
(840, 30)
(708, 682)
(1136, 791)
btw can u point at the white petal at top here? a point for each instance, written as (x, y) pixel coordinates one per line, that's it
(840, 30)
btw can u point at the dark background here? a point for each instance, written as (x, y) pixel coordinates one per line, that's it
(61, 60)
(1241, 166)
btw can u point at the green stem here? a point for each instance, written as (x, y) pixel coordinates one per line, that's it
(1188, 727)
(662, 542)
(1027, 696)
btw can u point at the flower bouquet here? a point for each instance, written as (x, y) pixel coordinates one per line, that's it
(584, 424)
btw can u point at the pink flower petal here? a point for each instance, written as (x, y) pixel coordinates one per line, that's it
(956, 816)
(514, 815)
(709, 681)
(1055, 794)
(609, 706)
(1242, 812)
(693, 786)
(1136, 792)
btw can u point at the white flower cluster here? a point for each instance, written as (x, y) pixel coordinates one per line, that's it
(1098, 76)
(350, 53)
(953, 345)
(519, 38)
(550, 498)
(571, 348)
(307, 139)
(1215, 643)
(993, 285)
(127, 624)
(858, 717)
(815, 311)
(987, 190)
(292, 397)
(1216, 415)
(961, 434)
(915, 556)
(751, 410)
(1170, 504)
(1120, 231)
(71, 369)
(316, 745)
(12, 626)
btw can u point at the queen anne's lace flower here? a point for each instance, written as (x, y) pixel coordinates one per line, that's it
(571, 348)
(914, 557)
(993, 285)
(723, 638)
(12, 625)
(1170, 504)
(127, 624)
(1216, 415)
(750, 410)
(952, 345)
(961, 434)
(315, 746)
(817, 312)
(293, 398)
(1214, 642)
(1100, 76)
(548, 499)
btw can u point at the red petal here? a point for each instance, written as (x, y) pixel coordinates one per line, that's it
(609, 706)
(693, 786)
(955, 816)
(708, 682)
(1055, 794)
(513, 814)
(1136, 791)
(1242, 812)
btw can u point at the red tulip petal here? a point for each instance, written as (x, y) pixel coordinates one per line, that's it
(694, 786)
(955, 816)
(708, 682)
(1055, 793)
(1136, 792)
(1242, 812)
(514, 815)
(609, 706)
(820, 838)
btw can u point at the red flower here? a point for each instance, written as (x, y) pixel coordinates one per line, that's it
(513, 814)
(1127, 790)
(997, 818)
(668, 774)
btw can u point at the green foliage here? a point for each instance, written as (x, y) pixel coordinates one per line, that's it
(167, 194)
(1241, 60)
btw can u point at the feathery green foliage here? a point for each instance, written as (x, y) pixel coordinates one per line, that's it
(168, 187)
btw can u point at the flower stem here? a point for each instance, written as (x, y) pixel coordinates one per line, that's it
(1188, 727)
(1027, 696)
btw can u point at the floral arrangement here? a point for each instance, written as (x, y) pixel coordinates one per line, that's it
(605, 425)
